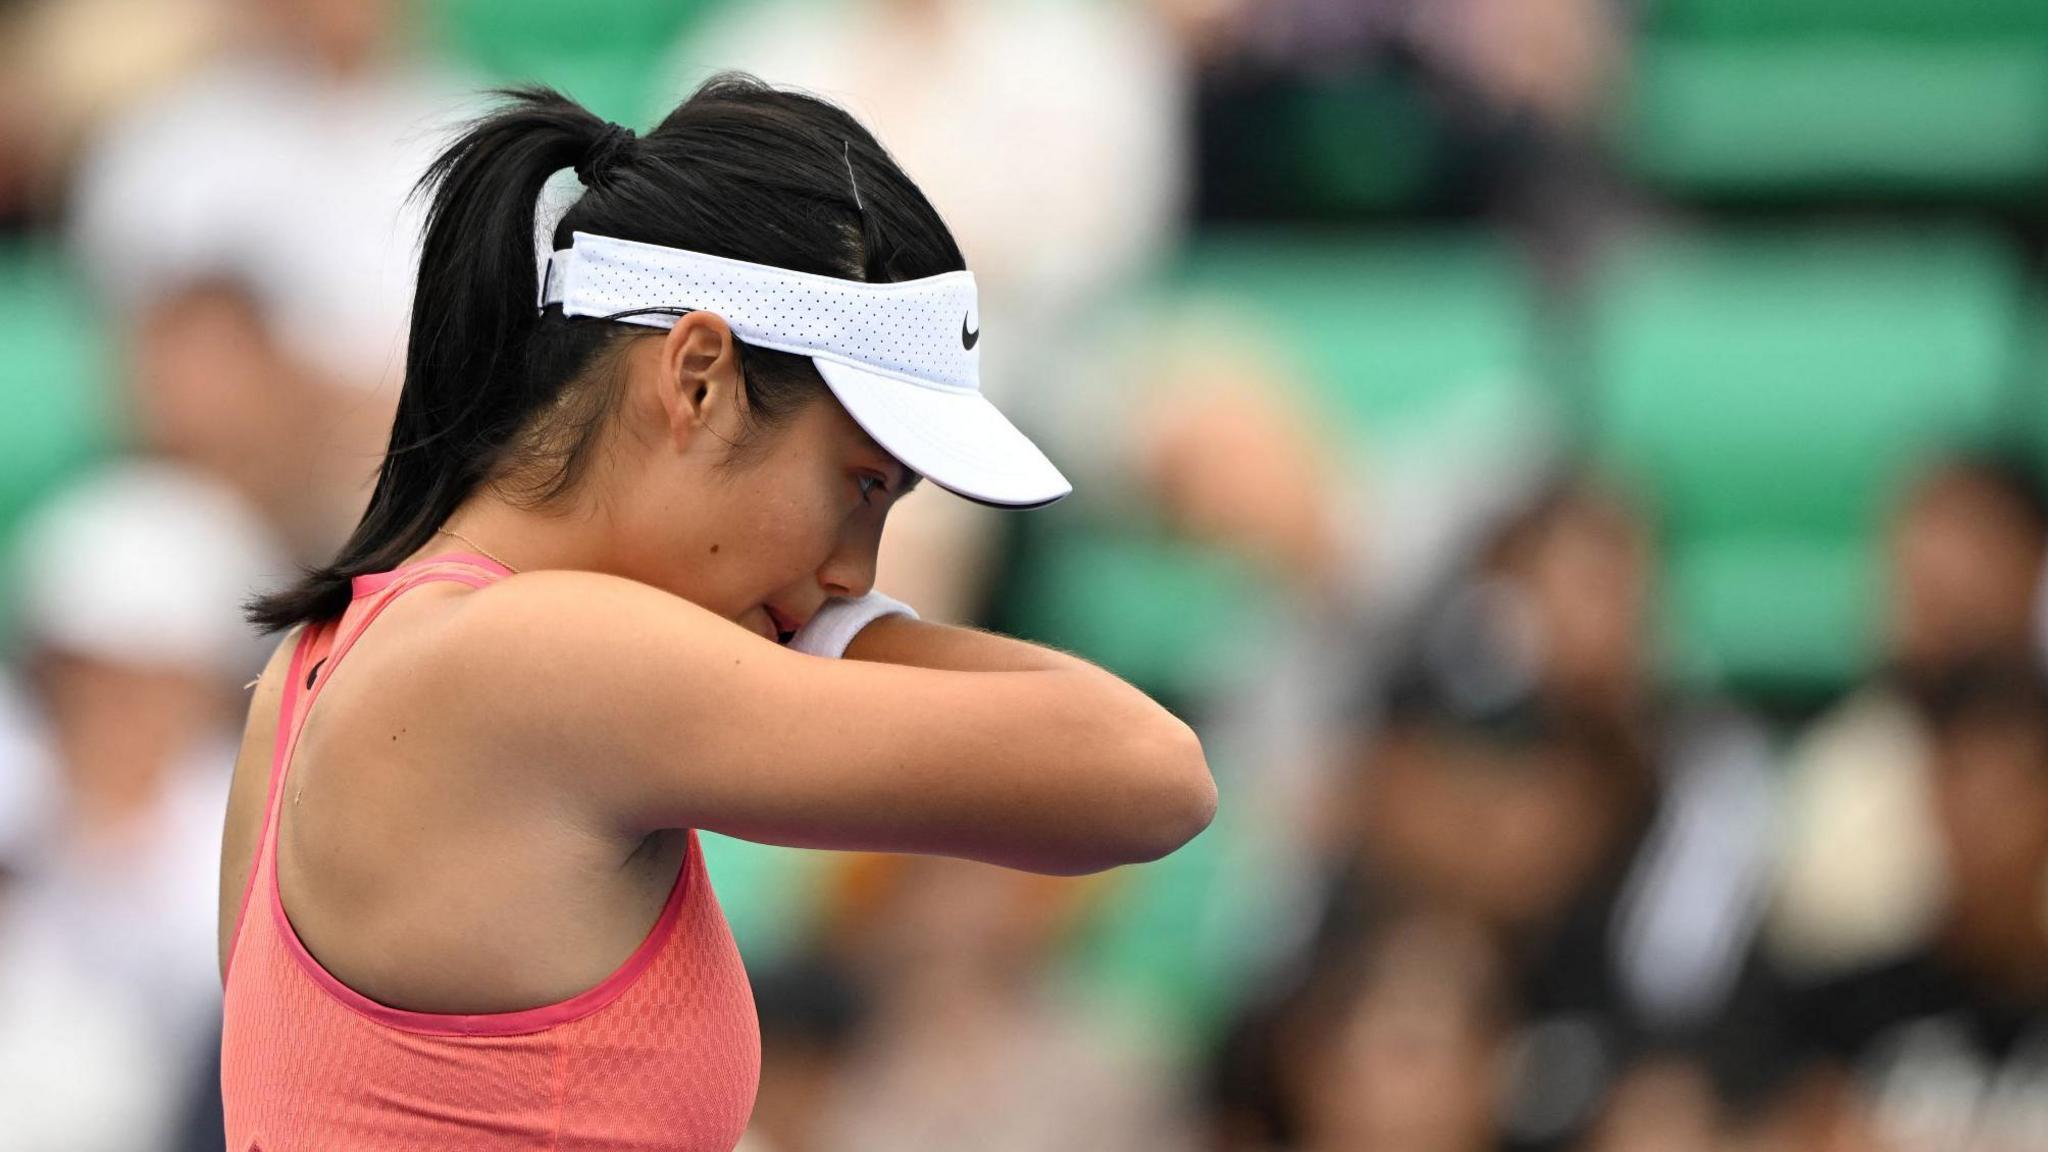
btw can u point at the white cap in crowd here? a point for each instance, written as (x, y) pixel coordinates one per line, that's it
(147, 562)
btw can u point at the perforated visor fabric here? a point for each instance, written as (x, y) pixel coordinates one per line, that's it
(903, 357)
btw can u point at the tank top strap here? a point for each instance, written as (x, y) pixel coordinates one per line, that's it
(470, 567)
(322, 650)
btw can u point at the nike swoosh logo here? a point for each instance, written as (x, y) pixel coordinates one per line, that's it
(967, 338)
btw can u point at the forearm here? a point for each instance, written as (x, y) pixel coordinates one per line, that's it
(924, 644)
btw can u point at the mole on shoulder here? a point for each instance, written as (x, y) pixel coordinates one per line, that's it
(714, 548)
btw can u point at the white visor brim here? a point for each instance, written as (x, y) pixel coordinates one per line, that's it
(958, 440)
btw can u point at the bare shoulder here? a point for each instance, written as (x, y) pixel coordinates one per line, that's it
(577, 636)
(561, 607)
(574, 644)
(251, 787)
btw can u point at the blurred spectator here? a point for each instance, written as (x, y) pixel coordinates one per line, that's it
(1626, 849)
(1532, 772)
(285, 166)
(1966, 559)
(209, 386)
(1550, 59)
(1946, 1046)
(967, 1036)
(1525, 699)
(1354, 539)
(1397, 1043)
(134, 652)
(77, 1073)
(1662, 1105)
(66, 67)
(1343, 109)
(811, 1009)
(1049, 135)
(21, 173)
(1235, 461)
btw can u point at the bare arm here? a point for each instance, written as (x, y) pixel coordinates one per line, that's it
(649, 712)
(923, 644)
(251, 787)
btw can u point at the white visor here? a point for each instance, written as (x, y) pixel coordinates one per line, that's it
(903, 357)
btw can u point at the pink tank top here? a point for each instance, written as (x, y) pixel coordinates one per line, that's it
(665, 1053)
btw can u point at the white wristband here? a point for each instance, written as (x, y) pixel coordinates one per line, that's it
(833, 627)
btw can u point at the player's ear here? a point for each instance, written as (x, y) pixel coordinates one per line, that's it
(698, 380)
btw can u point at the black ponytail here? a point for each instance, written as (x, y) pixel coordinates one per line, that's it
(498, 392)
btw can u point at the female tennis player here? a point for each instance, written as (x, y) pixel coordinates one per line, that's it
(615, 585)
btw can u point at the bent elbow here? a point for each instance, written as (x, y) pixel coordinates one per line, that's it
(1156, 795)
(1183, 800)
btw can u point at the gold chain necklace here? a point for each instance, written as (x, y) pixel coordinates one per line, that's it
(473, 544)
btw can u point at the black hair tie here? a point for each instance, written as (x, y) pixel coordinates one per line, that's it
(604, 154)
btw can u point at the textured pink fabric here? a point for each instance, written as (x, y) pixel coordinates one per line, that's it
(663, 1054)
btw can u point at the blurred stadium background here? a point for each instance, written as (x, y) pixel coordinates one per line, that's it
(1575, 461)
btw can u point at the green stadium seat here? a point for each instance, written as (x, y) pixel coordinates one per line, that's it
(1776, 98)
(1390, 328)
(1322, 148)
(1909, 19)
(55, 385)
(605, 53)
(1771, 390)
(1366, 144)
(505, 29)
(2035, 382)
(1725, 120)
(770, 895)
